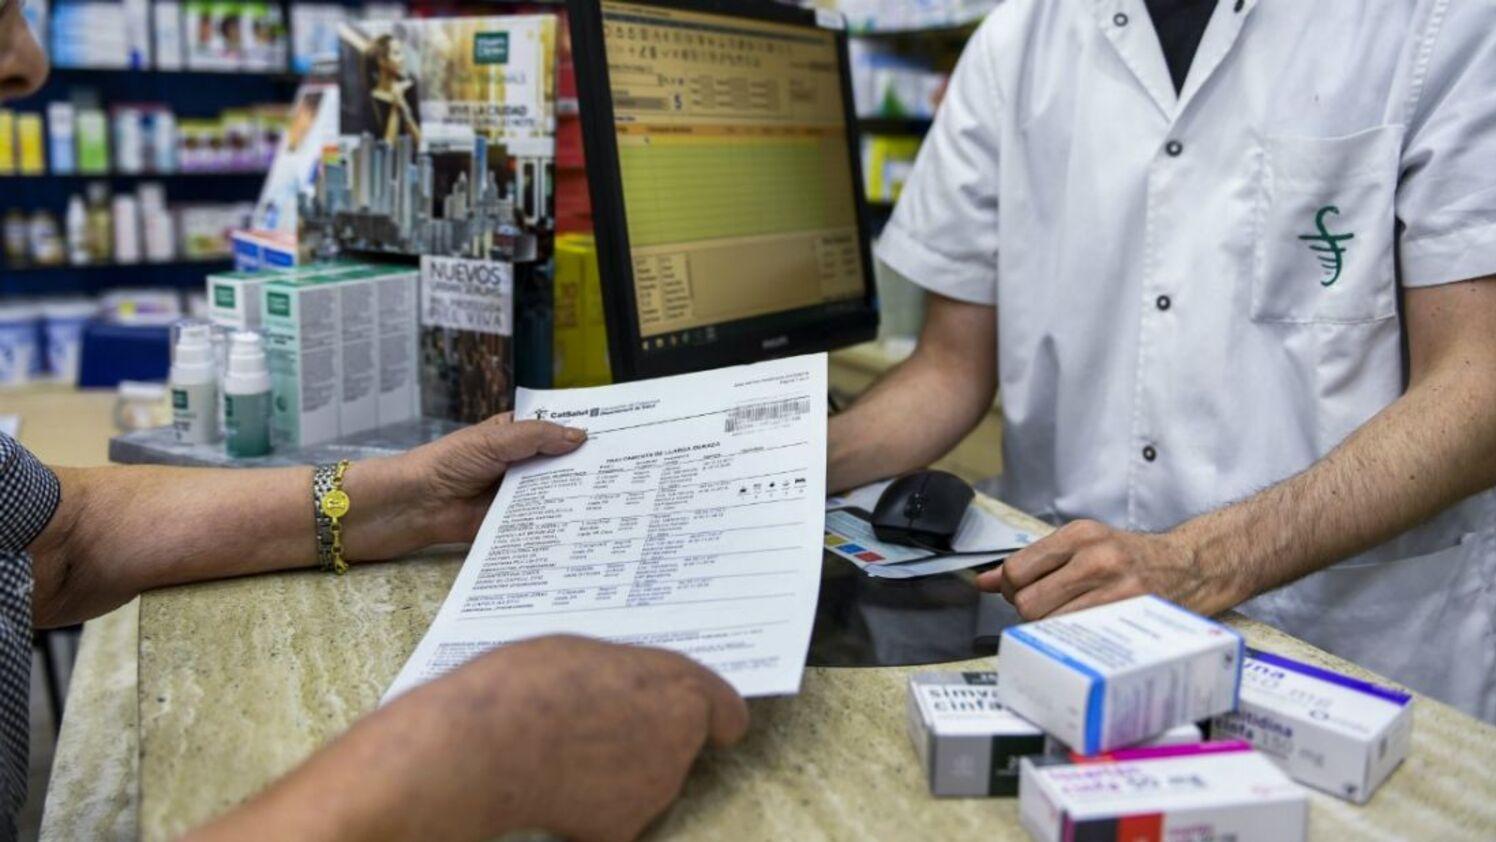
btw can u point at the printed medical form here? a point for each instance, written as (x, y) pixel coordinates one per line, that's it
(690, 520)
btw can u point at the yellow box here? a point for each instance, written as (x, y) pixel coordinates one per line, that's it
(7, 141)
(29, 140)
(580, 336)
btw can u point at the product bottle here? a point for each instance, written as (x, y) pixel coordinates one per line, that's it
(246, 397)
(194, 389)
(126, 221)
(44, 240)
(100, 228)
(77, 231)
(17, 232)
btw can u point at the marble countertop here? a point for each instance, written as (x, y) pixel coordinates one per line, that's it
(240, 680)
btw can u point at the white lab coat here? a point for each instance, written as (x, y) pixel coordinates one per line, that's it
(1182, 325)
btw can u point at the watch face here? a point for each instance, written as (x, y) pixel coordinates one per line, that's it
(335, 503)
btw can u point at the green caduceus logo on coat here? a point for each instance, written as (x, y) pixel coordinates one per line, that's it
(1328, 245)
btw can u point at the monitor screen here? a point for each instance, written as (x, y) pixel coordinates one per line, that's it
(737, 177)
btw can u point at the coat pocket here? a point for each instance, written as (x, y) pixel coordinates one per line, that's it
(1325, 228)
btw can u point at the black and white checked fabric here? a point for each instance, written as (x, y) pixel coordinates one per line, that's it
(29, 494)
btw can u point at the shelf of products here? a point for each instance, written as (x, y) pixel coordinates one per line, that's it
(186, 275)
(901, 17)
(135, 228)
(92, 73)
(128, 176)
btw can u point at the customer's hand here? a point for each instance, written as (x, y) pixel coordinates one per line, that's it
(584, 739)
(438, 493)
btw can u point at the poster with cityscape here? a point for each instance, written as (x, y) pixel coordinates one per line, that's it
(446, 151)
(447, 139)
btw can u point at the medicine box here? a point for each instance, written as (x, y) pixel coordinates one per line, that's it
(1330, 731)
(1183, 735)
(968, 744)
(234, 298)
(255, 250)
(1205, 791)
(1119, 674)
(341, 343)
(397, 301)
(377, 312)
(358, 321)
(303, 349)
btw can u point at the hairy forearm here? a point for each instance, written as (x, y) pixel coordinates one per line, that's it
(123, 530)
(352, 791)
(1426, 451)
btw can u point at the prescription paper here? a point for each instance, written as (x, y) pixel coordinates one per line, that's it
(690, 520)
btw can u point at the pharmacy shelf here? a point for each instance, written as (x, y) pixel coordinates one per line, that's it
(130, 176)
(285, 76)
(97, 277)
(956, 25)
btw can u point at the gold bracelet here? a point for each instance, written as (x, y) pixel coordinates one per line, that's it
(332, 505)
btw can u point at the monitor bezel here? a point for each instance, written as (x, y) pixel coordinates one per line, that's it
(781, 334)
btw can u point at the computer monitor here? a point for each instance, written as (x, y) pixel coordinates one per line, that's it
(723, 163)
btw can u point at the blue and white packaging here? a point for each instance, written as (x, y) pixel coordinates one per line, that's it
(20, 350)
(1119, 674)
(1181, 736)
(63, 321)
(1329, 731)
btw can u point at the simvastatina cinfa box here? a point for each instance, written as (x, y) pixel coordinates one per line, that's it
(969, 745)
(1221, 790)
(1330, 731)
(1119, 674)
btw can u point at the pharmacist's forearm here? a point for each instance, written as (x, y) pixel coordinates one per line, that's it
(911, 418)
(923, 407)
(1432, 447)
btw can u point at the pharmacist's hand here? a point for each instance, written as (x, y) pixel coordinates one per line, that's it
(1085, 563)
(438, 493)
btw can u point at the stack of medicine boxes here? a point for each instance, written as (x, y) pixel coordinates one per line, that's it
(341, 341)
(1092, 725)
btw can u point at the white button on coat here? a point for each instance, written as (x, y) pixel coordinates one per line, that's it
(1320, 156)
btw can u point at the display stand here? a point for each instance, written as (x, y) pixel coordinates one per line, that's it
(159, 446)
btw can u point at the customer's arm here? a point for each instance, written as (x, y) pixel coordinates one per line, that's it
(122, 530)
(582, 739)
(922, 408)
(1432, 447)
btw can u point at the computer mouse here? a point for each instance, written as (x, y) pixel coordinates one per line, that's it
(922, 509)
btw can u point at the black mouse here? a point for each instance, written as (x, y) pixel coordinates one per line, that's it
(922, 509)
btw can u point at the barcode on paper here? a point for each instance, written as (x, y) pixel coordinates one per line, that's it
(741, 418)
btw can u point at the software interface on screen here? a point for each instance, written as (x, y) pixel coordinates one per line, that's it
(736, 171)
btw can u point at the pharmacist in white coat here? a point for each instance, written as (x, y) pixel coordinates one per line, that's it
(1244, 315)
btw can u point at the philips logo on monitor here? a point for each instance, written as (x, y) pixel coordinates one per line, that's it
(491, 48)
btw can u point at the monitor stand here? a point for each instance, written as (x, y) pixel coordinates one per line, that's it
(862, 621)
